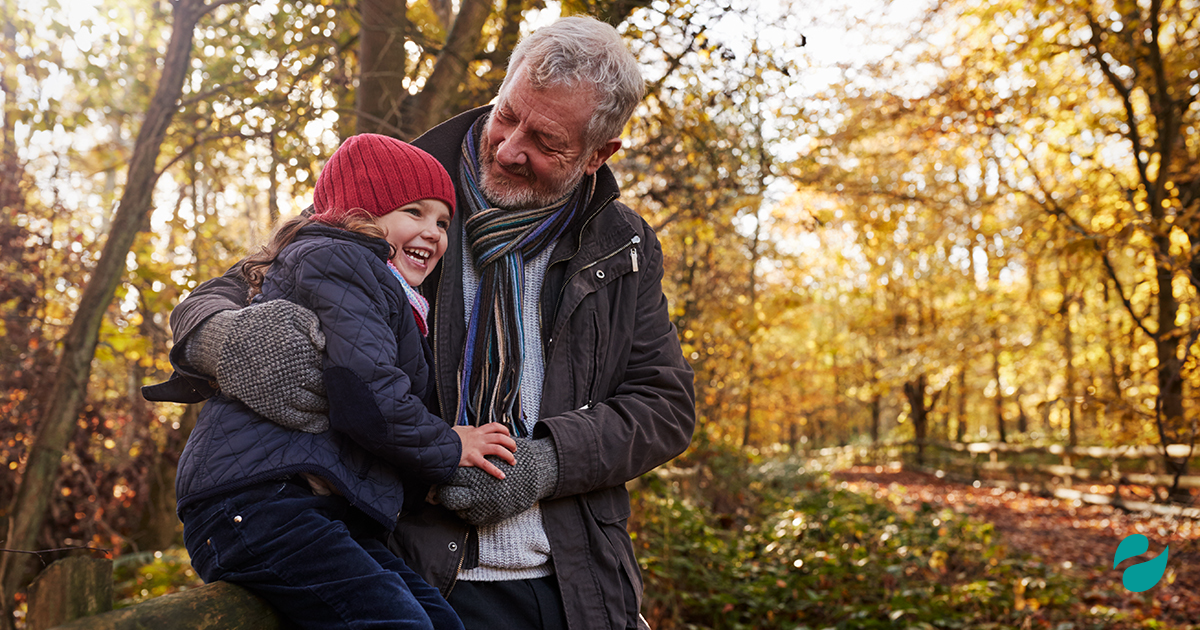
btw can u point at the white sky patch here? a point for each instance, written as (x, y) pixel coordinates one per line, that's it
(537, 18)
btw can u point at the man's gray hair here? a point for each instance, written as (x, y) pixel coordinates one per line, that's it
(583, 50)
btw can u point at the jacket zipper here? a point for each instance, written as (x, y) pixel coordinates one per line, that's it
(588, 221)
(461, 557)
(436, 327)
(595, 362)
(632, 243)
(437, 382)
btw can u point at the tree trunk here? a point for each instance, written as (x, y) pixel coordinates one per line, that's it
(1022, 417)
(437, 100)
(942, 424)
(1116, 375)
(999, 400)
(510, 33)
(10, 164)
(960, 432)
(914, 391)
(838, 420)
(273, 188)
(1164, 117)
(158, 524)
(1169, 416)
(69, 388)
(876, 412)
(1068, 344)
(1166, 344)
(382, 63)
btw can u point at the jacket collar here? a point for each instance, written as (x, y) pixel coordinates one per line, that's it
(377, 246)
(444, 143)
(444, 285)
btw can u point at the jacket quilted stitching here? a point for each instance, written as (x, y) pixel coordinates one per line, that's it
(377, 374)
(618, 395)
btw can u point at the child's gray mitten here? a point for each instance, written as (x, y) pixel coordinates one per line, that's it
(481, 499)
(268, 356)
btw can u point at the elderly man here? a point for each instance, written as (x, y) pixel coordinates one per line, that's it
(547, 315)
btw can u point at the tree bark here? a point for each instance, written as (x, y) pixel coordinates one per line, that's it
(876, 407)
(1068, 345)
(438, 98)
(69, 388)
(1022, 417)
(615, 11)
(10, 171)
(960, 432)
(1166, 149)
(215, 606)
(70, 589)
(273, 187)
(1116, 375)
(914, 391)
(999, 400)
(382, 64)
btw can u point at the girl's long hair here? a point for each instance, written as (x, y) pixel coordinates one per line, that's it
(255, 266)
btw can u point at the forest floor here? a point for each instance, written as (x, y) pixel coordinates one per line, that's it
(1080, 538)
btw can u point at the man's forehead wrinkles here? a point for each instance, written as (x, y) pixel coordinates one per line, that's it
(537, 120)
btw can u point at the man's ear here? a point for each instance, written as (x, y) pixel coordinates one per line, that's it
(601, 155)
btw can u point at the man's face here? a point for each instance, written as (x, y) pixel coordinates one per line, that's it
(532, 151)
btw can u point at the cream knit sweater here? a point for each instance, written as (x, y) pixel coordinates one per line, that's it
(516, 548)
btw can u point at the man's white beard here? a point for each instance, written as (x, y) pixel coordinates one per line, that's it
(504, 194)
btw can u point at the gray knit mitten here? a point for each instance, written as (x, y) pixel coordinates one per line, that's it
(268, 356)
(481, 499)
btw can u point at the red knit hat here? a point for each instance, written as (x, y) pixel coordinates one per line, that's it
(378, 174)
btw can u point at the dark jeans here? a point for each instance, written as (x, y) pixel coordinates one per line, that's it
(316, 559)
(515, 605)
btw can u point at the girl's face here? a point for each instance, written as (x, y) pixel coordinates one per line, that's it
(418, 232)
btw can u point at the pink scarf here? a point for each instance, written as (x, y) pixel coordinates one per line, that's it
(420, 305)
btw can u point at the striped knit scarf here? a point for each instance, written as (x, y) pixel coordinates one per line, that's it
(500, 242)
(420, 305)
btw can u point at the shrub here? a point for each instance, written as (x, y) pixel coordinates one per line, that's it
(743, 543)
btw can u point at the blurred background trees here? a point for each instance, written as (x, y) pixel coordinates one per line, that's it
(971, 220)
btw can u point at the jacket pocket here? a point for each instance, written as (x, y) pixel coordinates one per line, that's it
(199, 527)
(609, 506)
(213, 529)
(610, 509)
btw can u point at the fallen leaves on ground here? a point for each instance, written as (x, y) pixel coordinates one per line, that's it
(1079, 538)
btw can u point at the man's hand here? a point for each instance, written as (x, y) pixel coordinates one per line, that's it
(481, 499)
(268, 356)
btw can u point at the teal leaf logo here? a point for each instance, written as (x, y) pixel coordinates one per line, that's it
(1144, 576)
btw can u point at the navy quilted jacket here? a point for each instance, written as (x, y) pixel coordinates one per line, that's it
(376, 372)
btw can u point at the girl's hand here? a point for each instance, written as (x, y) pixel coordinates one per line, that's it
(489, 439)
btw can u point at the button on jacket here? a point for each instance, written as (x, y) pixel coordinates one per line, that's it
(617, 398)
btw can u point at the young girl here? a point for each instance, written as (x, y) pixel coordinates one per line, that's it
(297, 516)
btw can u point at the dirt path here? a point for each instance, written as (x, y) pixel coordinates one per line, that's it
(1081, 539)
